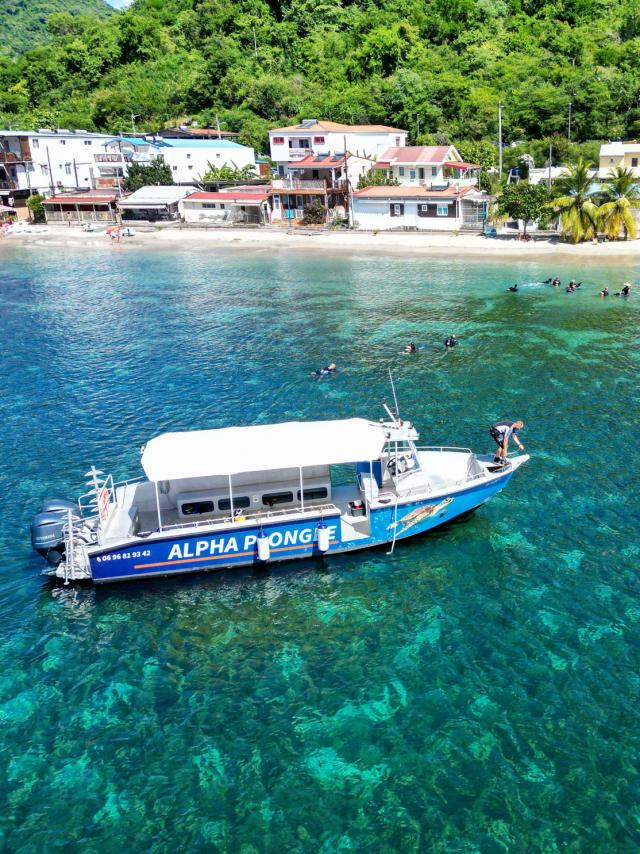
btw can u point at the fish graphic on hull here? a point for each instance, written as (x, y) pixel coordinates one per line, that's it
(418, 515)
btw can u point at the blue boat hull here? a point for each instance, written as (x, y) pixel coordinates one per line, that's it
(237, 545)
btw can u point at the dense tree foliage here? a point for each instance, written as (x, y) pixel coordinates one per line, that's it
(24, 22)
(139, 175)
(436, 67)
(527, 202)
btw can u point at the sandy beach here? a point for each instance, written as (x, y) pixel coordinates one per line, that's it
(270, 239)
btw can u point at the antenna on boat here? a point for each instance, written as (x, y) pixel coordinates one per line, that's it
(395, 399)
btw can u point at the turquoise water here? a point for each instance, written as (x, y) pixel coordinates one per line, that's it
(476, 691)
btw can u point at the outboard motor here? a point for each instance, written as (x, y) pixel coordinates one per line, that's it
(47, 528)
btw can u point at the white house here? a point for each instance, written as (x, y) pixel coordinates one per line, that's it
(188, 159)
(418, 208)
(47, 161)
(427, 165)
(226, 206)
(623, 154)
(292, 143)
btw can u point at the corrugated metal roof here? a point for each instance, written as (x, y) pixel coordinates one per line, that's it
(415, 154)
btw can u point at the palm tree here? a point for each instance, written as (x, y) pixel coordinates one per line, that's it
(620, 195)
(573, 202)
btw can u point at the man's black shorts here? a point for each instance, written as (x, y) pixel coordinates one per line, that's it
(496, 435)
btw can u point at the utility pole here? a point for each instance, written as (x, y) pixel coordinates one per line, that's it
(570, 107)
(500, 138)
(53, 189)
(255, 43)
(218, 126)
(417, 126)
(133, 122)
(75, 170)
(550, 156)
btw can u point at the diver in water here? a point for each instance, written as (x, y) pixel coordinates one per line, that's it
(556, 282)
(410, 348)
(451, 341)
(324, 372)
(513, 289)
(625, 290)
(604, 292)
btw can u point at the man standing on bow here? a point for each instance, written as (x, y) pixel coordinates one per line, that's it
(501, 432)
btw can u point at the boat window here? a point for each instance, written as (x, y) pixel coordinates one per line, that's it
(238, 503)
(315, 492)
(193, 508)
(273, 498)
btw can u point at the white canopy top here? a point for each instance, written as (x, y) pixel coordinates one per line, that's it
(265, 447)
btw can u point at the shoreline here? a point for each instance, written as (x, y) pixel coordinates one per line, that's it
(340, 242)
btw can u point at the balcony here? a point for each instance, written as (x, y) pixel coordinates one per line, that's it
(299, 153)
(9, 185)
(111, 158)
(10, 157)
(296, 184)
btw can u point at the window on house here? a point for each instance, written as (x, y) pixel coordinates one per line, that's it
(63, 142)
(273, 498)
(174, 168)
(208, 205)
(398, 141)
(195, 508)
(634, 162)
(318, 140)
(421, 174)
(434, 171)
(401, 171)
(276, 202)
(218, 154)
(44, 169)
(88, 141)
(35, 143)
(190, 167)
(313, 493)
(278, 140)
(443, 210)
(239, 503)
(188, 157)
(67, 168)
(412, 174)
(396, 210)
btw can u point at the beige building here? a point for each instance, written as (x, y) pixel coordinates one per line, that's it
(623, 154)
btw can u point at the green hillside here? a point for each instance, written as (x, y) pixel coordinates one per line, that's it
(436, 67)
(25, 22)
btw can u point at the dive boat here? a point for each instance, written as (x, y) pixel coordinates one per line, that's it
(241, 496)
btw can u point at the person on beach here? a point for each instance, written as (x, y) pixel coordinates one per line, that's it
(604, 292)
(501, 432)
(451, 341)
(324, 372)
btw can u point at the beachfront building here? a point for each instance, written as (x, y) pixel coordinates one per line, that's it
(79, 207)
(188, 159)
(448, 208)
(311, 137)
(433, 166)
(625, 155)
(226, 207)
(153, 204)
(324, 179)
(46, 161)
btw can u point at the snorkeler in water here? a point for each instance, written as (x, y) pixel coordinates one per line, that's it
(451, 341)
(324, 372)
(513, 289)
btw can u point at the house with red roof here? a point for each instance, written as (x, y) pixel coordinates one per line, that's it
(418, 208)
(320, 162)
(235, 205)
(427, 165)
(81, 206)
